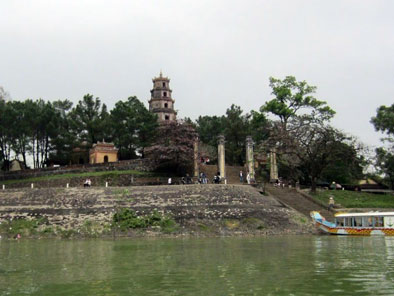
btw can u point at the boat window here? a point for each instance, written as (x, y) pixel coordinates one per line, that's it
(340, 221)
(358, 221)
(367, 222)
(354, 222)
(348, 221)
(378, 221)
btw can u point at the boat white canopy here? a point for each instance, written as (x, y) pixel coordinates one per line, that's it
(369, 214)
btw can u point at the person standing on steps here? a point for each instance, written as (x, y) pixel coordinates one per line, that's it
(331, 203)
(248, 178)
(241, 177)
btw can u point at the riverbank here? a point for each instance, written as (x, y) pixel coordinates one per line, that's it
(177, 210)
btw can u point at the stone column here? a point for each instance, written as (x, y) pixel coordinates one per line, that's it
(196, 158)
(221, 157)
(274, 167)
(249, 157)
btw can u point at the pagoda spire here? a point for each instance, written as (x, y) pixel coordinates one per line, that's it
(161, 102)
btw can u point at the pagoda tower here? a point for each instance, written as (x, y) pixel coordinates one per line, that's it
(161, 102)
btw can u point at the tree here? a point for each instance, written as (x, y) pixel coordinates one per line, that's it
(259, 126)
(346, 166)
(295, 99)
(235, 126)
(88, 120)
(236, 129)
(6, 121)
(63, 137)
(174, 151)
(21, 129)
(4, 96)
(315, 148)
(385, 164)
(384, 122)
(209, 128)
(133, 126)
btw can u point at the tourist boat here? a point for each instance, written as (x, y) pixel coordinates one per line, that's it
(372, 223)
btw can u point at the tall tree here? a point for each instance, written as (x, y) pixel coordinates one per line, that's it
(209, 128)
(88, 119)
(6, 137)
(4, 96)
(21, 130)
(295, 99)
(315, 147)
(134, 127)
(384, 122)
(174, 151)
(259, 126)
(346, 164)
(63, 138)
(236, 129)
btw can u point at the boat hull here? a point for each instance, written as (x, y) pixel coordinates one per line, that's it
(331, 228)
(354, 231)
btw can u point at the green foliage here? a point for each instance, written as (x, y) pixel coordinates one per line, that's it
(252, 222)
(127, 219)
(353, 199)
(384, 122)
(90, 120)
(385, 164)
(134, 127)
(314, 148)
(293, 98)
(345, 165)
(384, 119)
(236, 129)
(209, 128)
(24, 227)
(4, 95)
(235, 126)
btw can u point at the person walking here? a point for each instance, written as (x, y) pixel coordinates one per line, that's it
(331, 203)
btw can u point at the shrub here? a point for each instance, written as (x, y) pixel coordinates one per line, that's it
(128, 219)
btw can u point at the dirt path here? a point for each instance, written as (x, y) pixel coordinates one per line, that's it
(298, 202)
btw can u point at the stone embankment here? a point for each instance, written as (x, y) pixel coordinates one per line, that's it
(197, 209)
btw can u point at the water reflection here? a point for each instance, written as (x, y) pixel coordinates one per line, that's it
(359, 264)
(293, 265)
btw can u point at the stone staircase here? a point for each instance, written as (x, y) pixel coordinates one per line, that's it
(232, 173)
(297, 201)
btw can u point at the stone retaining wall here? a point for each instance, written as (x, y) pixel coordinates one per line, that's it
(72, 207)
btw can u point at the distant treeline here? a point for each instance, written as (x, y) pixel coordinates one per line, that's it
(308, 149)
(48, 131)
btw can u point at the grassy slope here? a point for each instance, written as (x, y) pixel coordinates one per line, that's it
(353, 199)
(76, 175)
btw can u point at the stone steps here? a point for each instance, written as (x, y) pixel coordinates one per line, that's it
(232, 172)
(297, 201)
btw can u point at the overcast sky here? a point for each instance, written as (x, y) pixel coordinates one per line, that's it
(217, 53)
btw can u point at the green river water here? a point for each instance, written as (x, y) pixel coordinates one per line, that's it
(279, 265)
